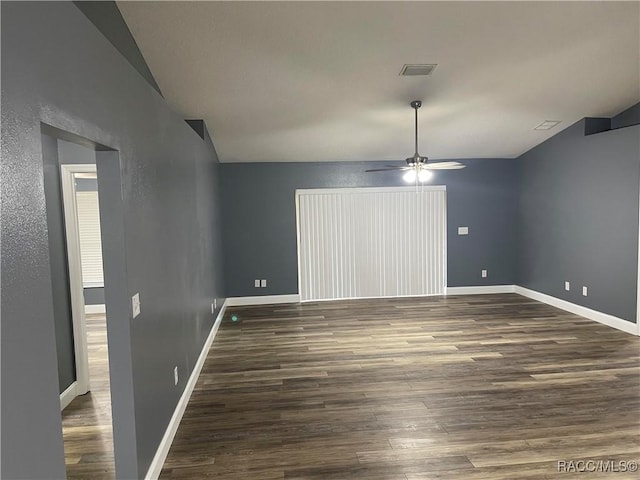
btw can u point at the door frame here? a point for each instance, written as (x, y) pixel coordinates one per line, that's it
(76, 289)
(638, 275)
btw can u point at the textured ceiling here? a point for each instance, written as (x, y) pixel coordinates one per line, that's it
(307, 81)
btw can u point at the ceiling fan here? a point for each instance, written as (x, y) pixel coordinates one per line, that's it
(418, 169)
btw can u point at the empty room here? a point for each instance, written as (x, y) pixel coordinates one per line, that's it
(320, 240)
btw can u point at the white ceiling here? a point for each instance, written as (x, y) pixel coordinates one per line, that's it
(307, 81)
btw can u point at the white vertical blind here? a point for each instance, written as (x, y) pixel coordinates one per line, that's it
(90, 242)
(371, 242)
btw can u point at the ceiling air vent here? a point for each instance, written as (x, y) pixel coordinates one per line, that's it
(412, 70)
(547, 125)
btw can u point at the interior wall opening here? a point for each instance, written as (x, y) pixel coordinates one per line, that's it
(73, 218)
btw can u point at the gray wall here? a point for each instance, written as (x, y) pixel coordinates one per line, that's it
(60, 290)
(86, 185)
(578, 218)
(94, 296)
(55, 153)
(259, 222)
(107, 18)
(58, 69)
(72, 153)
(631, 116)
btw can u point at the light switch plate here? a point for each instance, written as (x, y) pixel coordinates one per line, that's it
(463, 230)
(256, 283)
(135, 305)
(263, 283)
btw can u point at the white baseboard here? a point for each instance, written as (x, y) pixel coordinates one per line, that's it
(295, 298)
(604, 318)
(165, 444)
(263, 300)
(68, 395)
(89, 309)
(479, 290)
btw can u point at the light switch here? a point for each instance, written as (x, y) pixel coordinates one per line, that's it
(463, 230)
(135, 305)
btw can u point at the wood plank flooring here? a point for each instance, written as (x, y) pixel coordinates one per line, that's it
(467, 387)
(86, 422)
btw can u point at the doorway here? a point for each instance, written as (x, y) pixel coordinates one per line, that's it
(69, 176)
(71, 194)
(86, 421)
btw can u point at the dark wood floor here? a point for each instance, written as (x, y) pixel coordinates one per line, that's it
(469, 387)
(86, 422)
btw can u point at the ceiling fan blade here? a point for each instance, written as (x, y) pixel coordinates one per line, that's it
(444, 166)
(388, 169)
(417, 162)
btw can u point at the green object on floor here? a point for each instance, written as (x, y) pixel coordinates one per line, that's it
(234, 318)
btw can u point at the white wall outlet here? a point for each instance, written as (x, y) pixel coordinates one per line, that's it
(567, 286)
(584, 291)
(263, 283)
(484, 274)
(215, 303)
(256, 283)
(213, 307)
(135, 305)
(175, 375)
(463, 230)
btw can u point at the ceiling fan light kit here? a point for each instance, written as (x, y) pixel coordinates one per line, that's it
(418, 169)
(421, 175)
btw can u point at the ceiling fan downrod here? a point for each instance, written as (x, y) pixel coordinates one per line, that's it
(417, 167)
(416, 104)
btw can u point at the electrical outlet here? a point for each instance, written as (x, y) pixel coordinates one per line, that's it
(215, 303)
(484, 274)
(263, 283)
(463, 230)
(567, 286)
(256, 283)
(135, 305)
(584, 291)
(213, 307)
(175, 375)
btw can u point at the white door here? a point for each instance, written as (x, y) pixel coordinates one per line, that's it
(371, 242)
